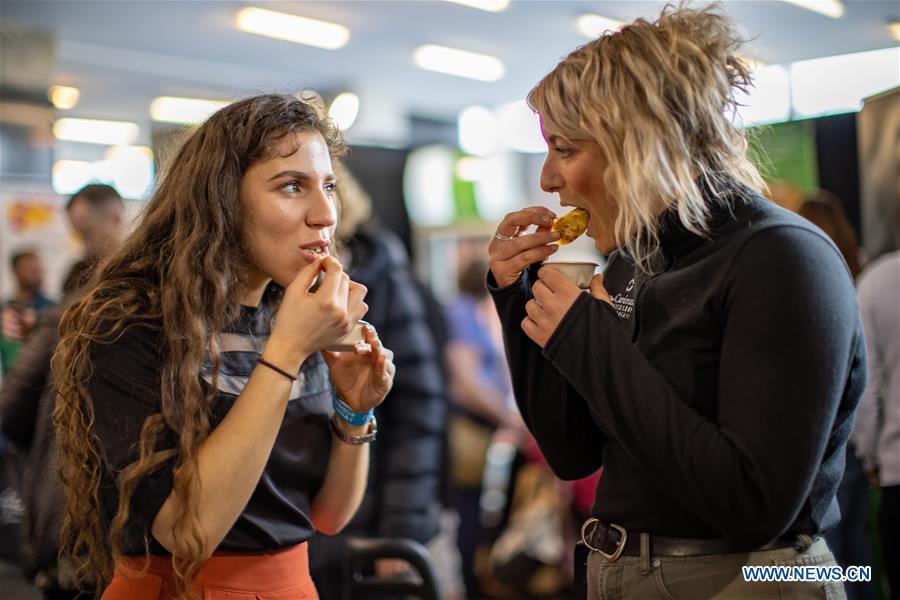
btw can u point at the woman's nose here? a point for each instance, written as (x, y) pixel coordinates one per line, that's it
(550, 179)
(323, 212)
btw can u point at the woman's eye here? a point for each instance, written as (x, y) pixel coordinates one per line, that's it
(330, 188)
(292, 187)
(563, 151)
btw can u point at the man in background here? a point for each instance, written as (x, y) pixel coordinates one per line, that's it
(97, 214)
(20, 312)
(29, 273)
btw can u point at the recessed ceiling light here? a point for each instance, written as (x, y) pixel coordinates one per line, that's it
(68, 176)
(829, 8)
(63, 97)
(293, 28)
(461, 63)
(185, 111)
(130, 169)
(93, 131)
(344, 109)
(488, 5)
(478, 131)
(592, 26)
(894, 28)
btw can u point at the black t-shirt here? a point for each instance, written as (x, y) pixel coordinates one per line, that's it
(125, 389)
(718, 394)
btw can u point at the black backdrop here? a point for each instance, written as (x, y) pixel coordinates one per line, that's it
(838, 160)
(380, 173)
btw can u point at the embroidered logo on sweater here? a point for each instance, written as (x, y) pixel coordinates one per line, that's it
(624, 306)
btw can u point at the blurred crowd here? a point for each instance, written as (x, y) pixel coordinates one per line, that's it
(455, 470)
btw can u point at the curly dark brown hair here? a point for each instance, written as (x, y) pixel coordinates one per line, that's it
(179, 275)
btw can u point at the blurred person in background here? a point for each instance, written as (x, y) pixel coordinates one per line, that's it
(877, 430)
(96, 213)
(204, 433)
(402, 499)
(848, 540)
(713, 370)
(28, 270)
(20, 312)
(480, 388)
(825, 210)
(18, 316)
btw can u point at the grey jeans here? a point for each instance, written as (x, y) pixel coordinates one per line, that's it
(716, 577)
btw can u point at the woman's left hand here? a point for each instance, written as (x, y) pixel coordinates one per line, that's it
(365, 376)
(554, 294)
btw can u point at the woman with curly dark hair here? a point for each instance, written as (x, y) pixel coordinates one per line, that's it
(204, 432)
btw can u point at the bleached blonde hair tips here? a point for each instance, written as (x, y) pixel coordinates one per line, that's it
(658, 99)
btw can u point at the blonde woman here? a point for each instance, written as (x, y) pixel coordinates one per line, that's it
(714, 368)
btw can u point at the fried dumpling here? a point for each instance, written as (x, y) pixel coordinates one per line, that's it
(571, 225)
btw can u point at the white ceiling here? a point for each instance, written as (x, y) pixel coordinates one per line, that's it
(122, 54)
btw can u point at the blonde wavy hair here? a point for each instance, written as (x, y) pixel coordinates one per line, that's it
(656, 97)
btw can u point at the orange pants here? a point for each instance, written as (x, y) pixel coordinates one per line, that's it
(279, 575)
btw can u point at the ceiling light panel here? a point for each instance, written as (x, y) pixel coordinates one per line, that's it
(487, 5)
(292, 28)
(93, 131)
(829, 8)
(461, 63)
(184, 111)
(592, 26)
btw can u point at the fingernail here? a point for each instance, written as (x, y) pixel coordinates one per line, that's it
(555, 235)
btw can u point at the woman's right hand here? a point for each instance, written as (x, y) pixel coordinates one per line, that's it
(508, 258)
(310, 321)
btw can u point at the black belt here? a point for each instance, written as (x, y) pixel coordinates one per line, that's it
(613, 541)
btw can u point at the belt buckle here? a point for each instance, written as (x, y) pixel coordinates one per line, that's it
(620, 545)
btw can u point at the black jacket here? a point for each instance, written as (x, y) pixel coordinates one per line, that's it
(402, 498)
(718, 394)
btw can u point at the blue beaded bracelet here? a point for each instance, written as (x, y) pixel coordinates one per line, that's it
(343, 410)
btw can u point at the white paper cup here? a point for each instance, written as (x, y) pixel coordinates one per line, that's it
(350, 341)
(580, 273)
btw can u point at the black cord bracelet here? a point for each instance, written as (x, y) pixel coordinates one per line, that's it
(276, 368)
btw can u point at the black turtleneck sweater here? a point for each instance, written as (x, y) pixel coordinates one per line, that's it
(718, 393)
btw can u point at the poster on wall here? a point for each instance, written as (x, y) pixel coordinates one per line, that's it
(878, 129)
(36, 222)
